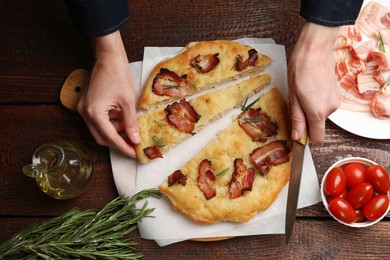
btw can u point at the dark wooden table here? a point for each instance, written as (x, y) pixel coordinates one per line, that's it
(39, 48)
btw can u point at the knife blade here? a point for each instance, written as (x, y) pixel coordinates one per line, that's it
(295, 182)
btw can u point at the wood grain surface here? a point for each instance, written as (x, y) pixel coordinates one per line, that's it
(39, 48)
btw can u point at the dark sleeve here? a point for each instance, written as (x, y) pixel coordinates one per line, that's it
(98, 17)
(331, 12)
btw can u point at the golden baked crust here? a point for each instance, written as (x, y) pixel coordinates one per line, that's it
(223, 72)
(209, 106)
(230, 144)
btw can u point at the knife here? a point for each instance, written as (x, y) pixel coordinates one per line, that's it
(295, 182)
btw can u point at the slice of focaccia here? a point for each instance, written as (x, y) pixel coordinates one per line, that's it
(237, 174)
(162, 128)
(201, 65)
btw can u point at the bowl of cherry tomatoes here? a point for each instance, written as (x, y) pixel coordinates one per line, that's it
(355, 191)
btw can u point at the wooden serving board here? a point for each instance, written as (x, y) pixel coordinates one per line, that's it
(72, 87)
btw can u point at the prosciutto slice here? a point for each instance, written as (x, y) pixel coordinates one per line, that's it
(370, 79)
(351, 98)
(347, 70)
(274, 153)
(242, 179)
(347, 64)
(348, 35)
(381, 59)
(362, 49)
(381, 104)
(373, 18)
(383, 77)
(367, 82)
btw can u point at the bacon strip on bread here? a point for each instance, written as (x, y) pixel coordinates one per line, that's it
(182, 116)
(242, 179)
(257, 125)
(274, 153)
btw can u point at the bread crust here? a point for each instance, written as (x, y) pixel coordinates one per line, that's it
(223, 72)
(230, 144)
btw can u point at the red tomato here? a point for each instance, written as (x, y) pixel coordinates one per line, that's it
(342, 210)
(342, 195)
(376, 207)
(359, 195)
(379, 179)
(335, 182)
(354, 174)
(360, 216)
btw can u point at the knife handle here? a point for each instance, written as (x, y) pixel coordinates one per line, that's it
(304, 138)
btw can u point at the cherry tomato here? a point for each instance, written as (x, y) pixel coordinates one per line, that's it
(342, 195)
(359, 195)
(360, 216)
(354, 174)
(379, 179)
(376, 207)
(342, 210)
(335, 182)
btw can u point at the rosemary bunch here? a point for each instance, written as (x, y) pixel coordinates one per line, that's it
(83, 234)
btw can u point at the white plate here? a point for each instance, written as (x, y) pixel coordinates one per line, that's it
(362, 123)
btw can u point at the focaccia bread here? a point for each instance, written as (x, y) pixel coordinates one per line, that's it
(207, 190)
(161, 128)
(201, 65)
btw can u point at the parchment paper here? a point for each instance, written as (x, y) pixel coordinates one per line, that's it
(169, 226)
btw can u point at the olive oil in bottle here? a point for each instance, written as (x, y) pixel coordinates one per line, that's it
(62, 169)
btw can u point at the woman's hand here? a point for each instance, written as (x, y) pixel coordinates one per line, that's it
(108, 104)
(313, 92)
